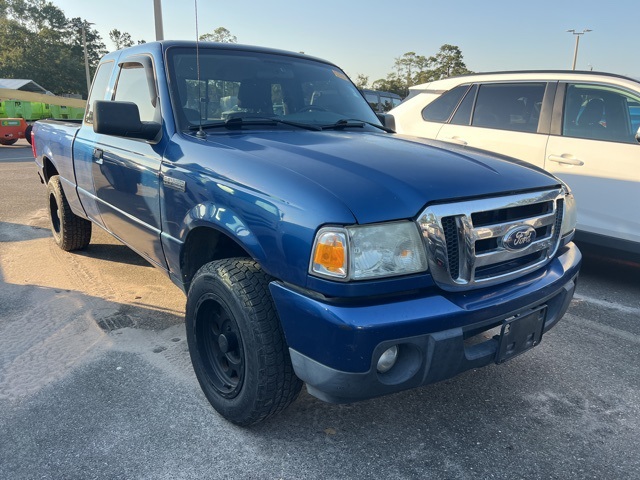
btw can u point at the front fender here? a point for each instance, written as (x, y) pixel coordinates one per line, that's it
(219, 218)
(226, 221)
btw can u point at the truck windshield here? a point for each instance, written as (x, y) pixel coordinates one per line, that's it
(256, 85)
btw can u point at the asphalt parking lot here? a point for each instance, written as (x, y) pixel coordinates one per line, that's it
(96, 382)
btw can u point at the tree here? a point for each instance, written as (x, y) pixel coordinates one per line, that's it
(391, 84)
(40, 43)
(412, 69)
(361, 81)
(221, 35)
(120, 39)
(408, 67)
(448, 62)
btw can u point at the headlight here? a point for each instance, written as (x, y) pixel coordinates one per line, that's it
(570, 217)
(370, 251)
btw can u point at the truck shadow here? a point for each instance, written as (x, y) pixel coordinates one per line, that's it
(616, 265)
(113, 253)
(16, 232)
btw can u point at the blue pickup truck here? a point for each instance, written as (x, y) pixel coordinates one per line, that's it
(314, 245)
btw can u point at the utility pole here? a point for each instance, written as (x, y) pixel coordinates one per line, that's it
(157, 9)
(575, 52)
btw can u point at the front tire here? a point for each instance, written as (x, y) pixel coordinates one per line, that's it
(8, 142)
(236, 343)
(70, 232)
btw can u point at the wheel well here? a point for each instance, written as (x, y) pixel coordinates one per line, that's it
(204, 245)
(48, 169)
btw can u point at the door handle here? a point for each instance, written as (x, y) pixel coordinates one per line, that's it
(456, 140)
(565, 160)
(98, 155)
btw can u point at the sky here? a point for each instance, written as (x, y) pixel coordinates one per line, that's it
(364, 37)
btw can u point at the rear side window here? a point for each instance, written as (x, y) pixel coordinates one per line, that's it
(99, 88)
(509, 106)
(441, 108)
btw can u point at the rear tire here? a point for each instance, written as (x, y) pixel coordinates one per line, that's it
(8, 142)
(70, 232)
(236, 343)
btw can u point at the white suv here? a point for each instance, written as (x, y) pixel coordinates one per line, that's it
(584, 127)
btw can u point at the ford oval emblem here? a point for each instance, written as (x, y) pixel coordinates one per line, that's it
(519, 238)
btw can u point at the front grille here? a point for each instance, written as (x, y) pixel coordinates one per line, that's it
(483, 242)
(451, 236)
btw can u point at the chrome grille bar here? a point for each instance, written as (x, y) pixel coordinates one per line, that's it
(460, 253)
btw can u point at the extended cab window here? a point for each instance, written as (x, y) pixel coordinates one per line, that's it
(600, 113)
(133, 86)
(509, 106)
(441, 108)
(99, 88)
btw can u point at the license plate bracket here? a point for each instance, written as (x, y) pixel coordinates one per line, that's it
(520, 333)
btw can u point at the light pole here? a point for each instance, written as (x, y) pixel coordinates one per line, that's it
(157, 9)
(86, 55)
(575, 52)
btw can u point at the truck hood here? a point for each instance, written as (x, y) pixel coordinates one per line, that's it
(382, 177)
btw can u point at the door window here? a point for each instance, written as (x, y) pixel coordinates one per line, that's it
(509, 106)
(600, 112)
(133, 87)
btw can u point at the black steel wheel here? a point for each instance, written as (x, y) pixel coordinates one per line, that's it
(220, 344)
(236, 343)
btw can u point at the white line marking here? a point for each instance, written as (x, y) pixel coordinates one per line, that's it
(606, 329)
(607, 304)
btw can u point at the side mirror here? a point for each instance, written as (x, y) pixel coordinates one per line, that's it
(387, 120)
(122, 119)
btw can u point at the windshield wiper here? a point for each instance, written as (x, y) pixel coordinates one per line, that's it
(238, 122)
(354, 123)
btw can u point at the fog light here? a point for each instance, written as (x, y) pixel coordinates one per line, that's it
(388, 359)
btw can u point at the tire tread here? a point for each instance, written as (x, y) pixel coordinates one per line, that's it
(75, 231)
(278, 385)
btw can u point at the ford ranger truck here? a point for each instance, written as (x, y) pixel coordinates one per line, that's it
(313, 244)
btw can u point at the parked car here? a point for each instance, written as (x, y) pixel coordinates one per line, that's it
(381, 102)
(581, 126)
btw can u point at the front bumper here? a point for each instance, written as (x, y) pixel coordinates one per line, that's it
(335, 346)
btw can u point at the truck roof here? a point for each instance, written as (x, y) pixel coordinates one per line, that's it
(163, 45)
